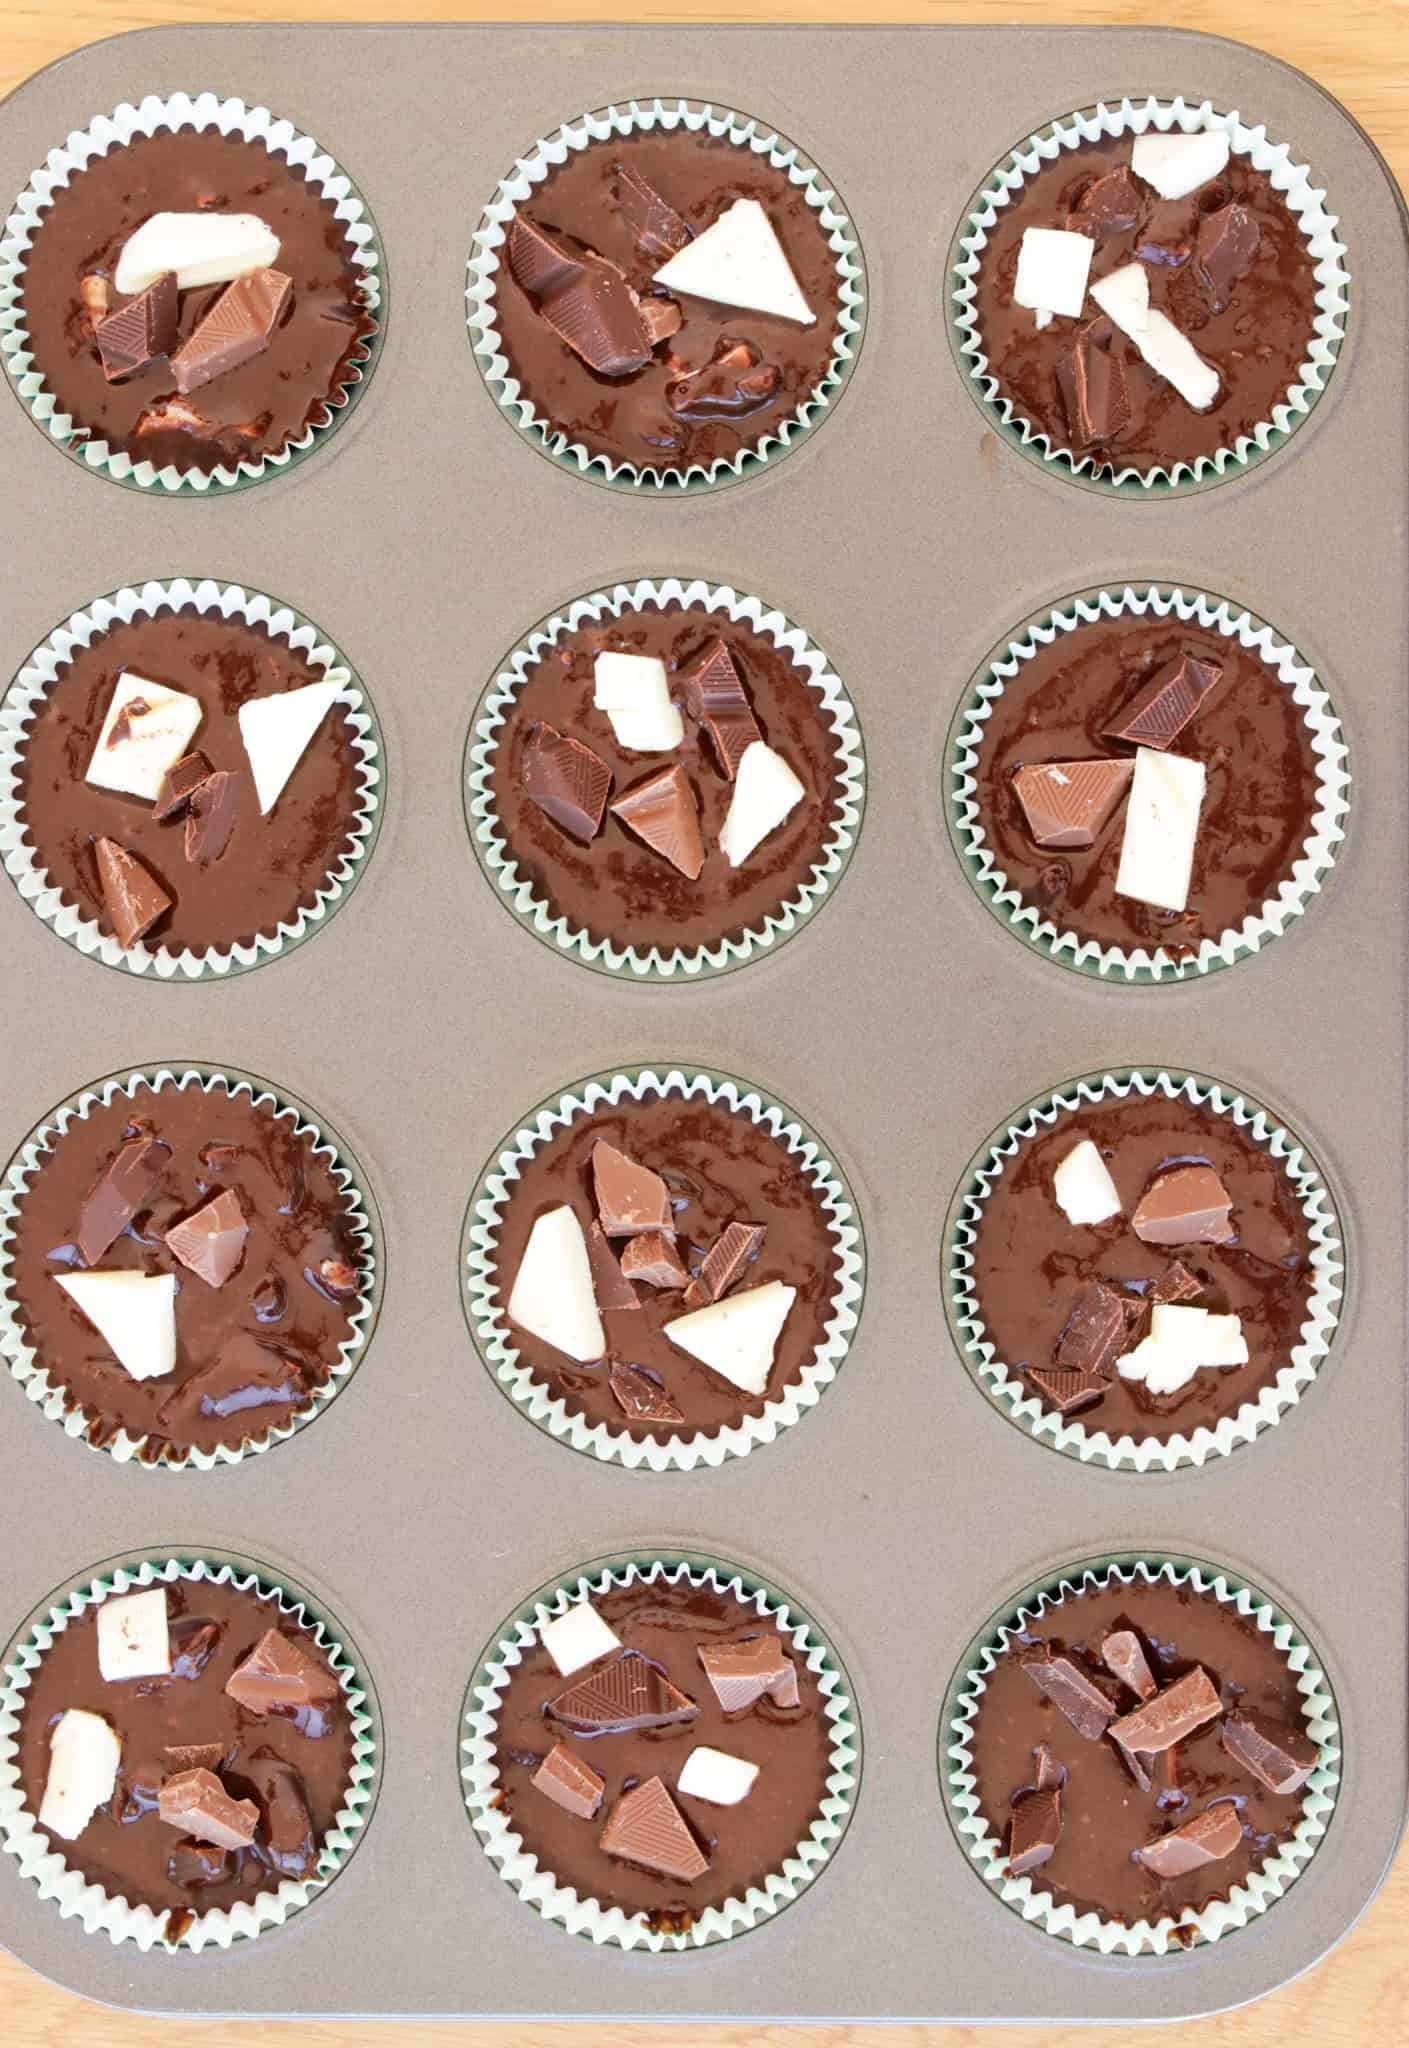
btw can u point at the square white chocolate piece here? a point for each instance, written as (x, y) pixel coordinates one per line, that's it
(1053, 266)
(714, 1775)
(576, 1638)
(132, 1636)
(147, 729)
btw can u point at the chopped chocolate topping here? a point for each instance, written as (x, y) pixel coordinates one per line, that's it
(715, 695)
(1051, 1772)
(647, 1827)
(1188, 1205)
(1171, 1716)
(595, 312)
(1109, 206)
(630, 1197)
(741, 1673)
(210, 816)
(1166, 240)
(732, 384)
(538, 260)
(1069, 803)
(1166, 704)
(193, 1865)
(1095, 391)
(1228, 242)
(1036, 1830)
(736, 1247)
(1207, 1838)
(1072, 1693)
(137, 333)
(198, 1803)
(284, 1835)
(133, 896)
(1096, 1332)
(280, 1677)
(193, 1756)
(566, 779)
(244, 1374)
(212, 1242)
(178, 784)
(569, 1782)
(1175, 1284)
(237, 328)
(659, 316)
(658, 229)
(1271, 1765)
(610, 1285)
(629, 1693)
(640, 1394)
(652, 1259)
(126, 1186)
(1122, 1653)
(662, 811)
(1067, 1391)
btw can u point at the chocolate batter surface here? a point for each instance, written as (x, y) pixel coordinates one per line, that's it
(744, 1843)
(269, 1322)
(126, 1847)
(1031, 1264)
(248, 412)
(1105, 1816)
(720, 1168)
(1259, 798)
(272, 866)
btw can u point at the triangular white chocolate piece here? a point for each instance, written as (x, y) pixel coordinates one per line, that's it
(132, 1636)
(84, 1754)
(133, 1313)
(1176, 164)
(148, 728)
(1124, 297)
(277, 729)
(1083, 1186)
(553, 1297)
(202, 248)
(765, 791)
(735, 1337)
(739, 261)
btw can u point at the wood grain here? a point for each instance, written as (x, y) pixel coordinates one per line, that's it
(1360, 1995)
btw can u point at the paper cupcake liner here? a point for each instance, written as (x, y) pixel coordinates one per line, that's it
(69, 160)
(221, 1927)
(610, 1925)
(25, 696)
(1304, 201)
(1095, 1446)
(1139, 964)
(534, 166)
(1192, 1927)
(493, 1334)
(26, 1366)
(680, 963)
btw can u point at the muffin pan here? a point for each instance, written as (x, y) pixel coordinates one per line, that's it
(426, 537)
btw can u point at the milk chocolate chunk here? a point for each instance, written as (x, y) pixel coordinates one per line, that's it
(1272, 1766)
(596, 314)
(1067, 1391)
(178, 783)
(1095, 1332)
(1109, 206)
(1051, 1772)
(194, 1865)
(1036, 1830)
(647, 1827)
(736, 1247)
(629, 1693)
(662, 811)
(244, 1374)
(1095, 392)
(658, 228)
(569, 1782)
(1122, 1653)
(210, 816)
(193, 1643)
(237, 328)
(137, 333)
(566, 779)
(741, 1673)
(1072, 1693)
(1069, 803)
(1207, 1838)
(732, 384)
(652, 1259)
(198, 1803)
(280, 1677)
(212, 1242)
(126, 1187)
(192, 1756)
(134, 897)
(284, 1836)
(1227, 244)
(1171, 1716)
(1175, 1284)
(640, 1394)
(1188, 1205)
(610, 1285)
(715, 695)
(538, 260)
(660, 317)
(1157, 716)
(630, 1197)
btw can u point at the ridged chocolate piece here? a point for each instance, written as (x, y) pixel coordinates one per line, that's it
(538, 261)
(741, 1673)
(133, 896)
(1228, 242)
(1094, 389)
(285, 1832)
(566, 779)
(1166, 704)
(126, 1186)
(1109, 206)
(137, 333)
(630, 1197)
(235, 330)
(197, 1803)
(1171, 1716)
(1207, 1838)
(662, 811)
(658, 228)
(652, 1259)
(1188, 1205)
(280, 1677)
(621, 1697)
(1096, 1332)
(715, 695)
(610, 1285)
(1268, 1763)
(639, 1395)
(1069, 803)
(212, 1242)
(1122, 1653)
(180, 780)
(735, 1248)
(1036, 1830)
(1072, 1693)
(210, 816)
(570, 1783)
(597, 316)
(1067, 1391)
(647, 1827)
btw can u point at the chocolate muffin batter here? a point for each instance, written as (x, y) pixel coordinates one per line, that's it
(1259, 799)
(1031, 1264)
(1257, 342)
(744, 1843)
(248, 412)
(720, 1167)
(616, 887)
(1106, 1817)
(126, 1847)
(272, 866)
(631, 418)
(250, 1352)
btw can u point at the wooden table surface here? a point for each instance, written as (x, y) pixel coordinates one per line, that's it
(1360, 1995)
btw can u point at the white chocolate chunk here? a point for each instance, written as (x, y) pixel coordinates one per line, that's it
(553, 1297)
(765, 790)
(1124, 297)
(634, 691)
(1083, 1186)
(133, 1313)
(1177, 164)
(714, 1775)
(739, 261)
(1053, 266)
(132, 1636)
(735, 1337)
(276, 731)
(576, 1638)
(1161, 827)
(202, 248)
(1042, 318)
(84, 1754)
(147, 729)
(1182, 1340)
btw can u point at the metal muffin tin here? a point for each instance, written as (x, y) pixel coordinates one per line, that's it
(903, 1025)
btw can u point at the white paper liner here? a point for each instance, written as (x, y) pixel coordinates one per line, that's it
(69, 160)
(1325, 830)
(493, 1333)
(535, 165)
(1169, 1934)
(101, 1913)
(1304, 201)
(679, 963)
(52, 1398)
(25, 697)
(1095, 1445)
(605, 1925)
